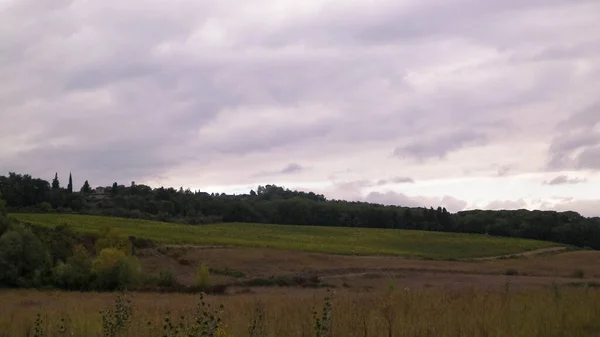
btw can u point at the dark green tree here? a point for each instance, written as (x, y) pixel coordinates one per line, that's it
(70, 186)
(86, 187)
(55, 182)
(115, 187)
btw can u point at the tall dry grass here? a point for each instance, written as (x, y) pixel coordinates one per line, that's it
(407, 313)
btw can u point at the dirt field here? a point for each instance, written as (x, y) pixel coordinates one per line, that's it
(544, 268)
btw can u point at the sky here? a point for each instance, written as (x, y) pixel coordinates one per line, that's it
(458, 103)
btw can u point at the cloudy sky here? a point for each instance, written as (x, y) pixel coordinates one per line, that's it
(462, 103)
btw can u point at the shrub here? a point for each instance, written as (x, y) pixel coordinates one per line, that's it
(45, 207)
(202, 276)
(511, 272)
(166, 279)
(4, 224)
(24, 261)
(117, 319)
(113, 269)
(11, 247)
(109, 238)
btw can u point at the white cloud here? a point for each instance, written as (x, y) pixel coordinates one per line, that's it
(207, 94)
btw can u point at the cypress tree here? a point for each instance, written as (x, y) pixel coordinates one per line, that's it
(70, 186)
(55, 182)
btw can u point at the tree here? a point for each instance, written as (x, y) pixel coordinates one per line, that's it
(23, 258)
(113, 269)
(70, 186)
(115, 187)
(86, 187)
(76, 272)
(55, 182)
(2, 206)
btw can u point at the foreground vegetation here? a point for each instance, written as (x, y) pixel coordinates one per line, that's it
(401, 312)
(274, 204)
(361, 241)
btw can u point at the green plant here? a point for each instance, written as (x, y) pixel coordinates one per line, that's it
(257, 324)
(38, 330)
(323, 323)
(207, 320)
(165, 279)
(117, 319)
(206, 323)
(202, 276)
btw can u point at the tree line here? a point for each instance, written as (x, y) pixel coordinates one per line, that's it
(276, 204)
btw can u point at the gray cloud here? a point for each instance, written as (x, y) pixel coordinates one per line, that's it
(578, 144)
(563, 179)
(292, 168)
(395, 180)
(439, 147)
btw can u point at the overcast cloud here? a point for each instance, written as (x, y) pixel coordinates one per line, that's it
(459, 103)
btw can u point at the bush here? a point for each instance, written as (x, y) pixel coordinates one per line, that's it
(166, 279)
(75, 274)
(109, 238)
(45, 207)
(4, 224)
(511, 272)
(24, 261)
(11, 247)
(113, 269)
(202, 276)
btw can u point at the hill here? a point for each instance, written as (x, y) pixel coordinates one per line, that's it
(275, 204)
(333, 240)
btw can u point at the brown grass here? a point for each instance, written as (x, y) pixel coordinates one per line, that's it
(426, 312)
(262, 262)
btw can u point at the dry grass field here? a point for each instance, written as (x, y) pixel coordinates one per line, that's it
(543, 269)
(546, 292)
(401, 312)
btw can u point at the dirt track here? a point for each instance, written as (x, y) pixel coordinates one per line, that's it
(542, 251)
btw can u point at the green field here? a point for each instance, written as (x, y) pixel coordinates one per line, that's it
(334, 240)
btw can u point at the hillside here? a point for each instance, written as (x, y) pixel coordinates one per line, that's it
(274, 204)
(333, 240)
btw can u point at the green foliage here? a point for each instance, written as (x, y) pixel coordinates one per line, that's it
(334, 240)
(38, 330)
(75, 274)
(70, 185)
(166, 279)
(205, 323)
(113, 269)
(4, 224)
(276, 204)
(23, 258)
(86, 188)
(45, 207)
(257, 327)
(2, 207)
(109, 238)
(118, 319)
(202, 276)
(11, 249)
(324, 323)
(55, 182)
